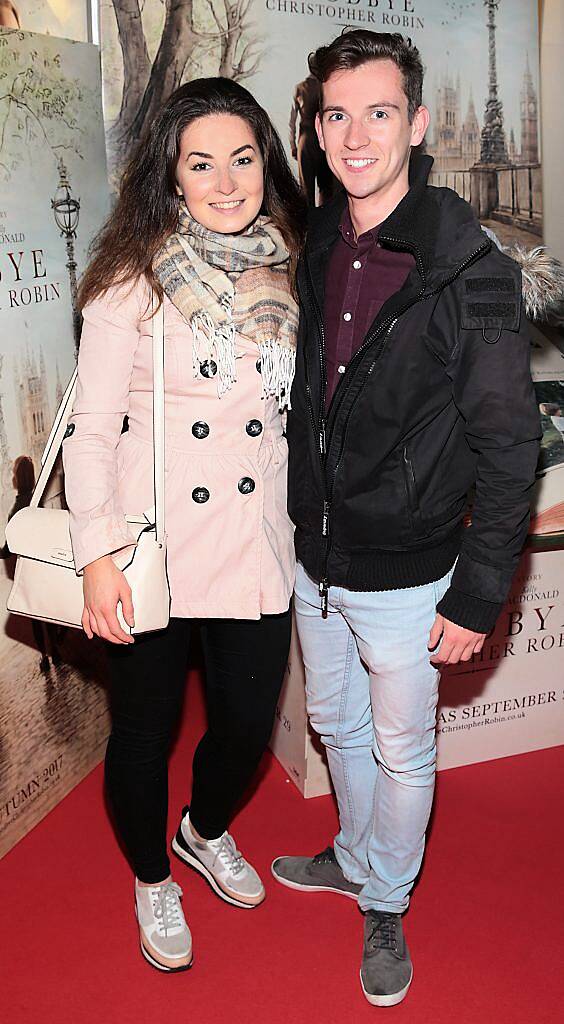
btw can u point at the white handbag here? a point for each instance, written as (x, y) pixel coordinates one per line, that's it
(46, 585)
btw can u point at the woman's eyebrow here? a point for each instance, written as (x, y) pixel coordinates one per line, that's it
(242, 149)
(209, 156)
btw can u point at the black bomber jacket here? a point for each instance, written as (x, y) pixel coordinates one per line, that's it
(438, 400)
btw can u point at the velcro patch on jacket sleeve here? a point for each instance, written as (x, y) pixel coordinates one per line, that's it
(490, 284)
(492, 304)
(497, 309)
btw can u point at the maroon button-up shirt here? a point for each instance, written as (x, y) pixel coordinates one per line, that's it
(360, 277)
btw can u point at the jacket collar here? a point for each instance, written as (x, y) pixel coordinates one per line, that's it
(438, 227)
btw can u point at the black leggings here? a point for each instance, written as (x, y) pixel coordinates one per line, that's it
(245, 665)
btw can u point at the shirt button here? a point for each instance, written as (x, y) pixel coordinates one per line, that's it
(347, 316)
(200, 495)
(357, 265)
(246, 485)
(341, 369)
(200, 429)
(254, 428)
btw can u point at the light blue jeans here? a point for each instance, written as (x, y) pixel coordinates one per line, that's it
(372, 697)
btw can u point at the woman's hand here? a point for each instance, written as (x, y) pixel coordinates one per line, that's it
(104, 585)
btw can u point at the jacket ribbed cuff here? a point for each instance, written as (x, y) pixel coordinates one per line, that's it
(469, 612)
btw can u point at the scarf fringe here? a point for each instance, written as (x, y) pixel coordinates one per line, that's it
(278, 365)
(217, 343)
(210, 341)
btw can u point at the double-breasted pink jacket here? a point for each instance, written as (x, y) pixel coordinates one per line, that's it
(229, 538)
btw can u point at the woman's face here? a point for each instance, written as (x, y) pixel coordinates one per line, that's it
(220, 173)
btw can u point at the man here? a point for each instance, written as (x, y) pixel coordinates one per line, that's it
(315, 177)
(412, 385)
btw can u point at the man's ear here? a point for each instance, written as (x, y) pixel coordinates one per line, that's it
(419, 125)
(319, 130)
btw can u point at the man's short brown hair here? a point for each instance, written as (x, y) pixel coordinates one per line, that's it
(355, 47)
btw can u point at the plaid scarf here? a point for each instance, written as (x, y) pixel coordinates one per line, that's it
(226, 285)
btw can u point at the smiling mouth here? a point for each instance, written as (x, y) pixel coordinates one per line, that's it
(359, 164)
(231, 205)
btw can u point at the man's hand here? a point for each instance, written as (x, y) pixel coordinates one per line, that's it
(456, 643)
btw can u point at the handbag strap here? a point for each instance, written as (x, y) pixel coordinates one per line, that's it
(159, 424)
(55, 440)
(58, 430)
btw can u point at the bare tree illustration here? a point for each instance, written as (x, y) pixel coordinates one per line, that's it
(234, 45)
(39, 106)
(240, 49)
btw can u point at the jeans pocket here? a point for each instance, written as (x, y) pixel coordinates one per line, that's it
(441, 586)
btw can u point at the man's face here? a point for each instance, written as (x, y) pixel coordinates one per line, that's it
(364, 129)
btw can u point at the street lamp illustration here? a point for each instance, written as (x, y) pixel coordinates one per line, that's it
(493, 148)
(66, 211)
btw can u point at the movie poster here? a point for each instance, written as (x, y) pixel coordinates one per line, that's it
(482, 90)
(481, 83)
(53, 197)
(547, 511)
(509, 698)
(481, 87)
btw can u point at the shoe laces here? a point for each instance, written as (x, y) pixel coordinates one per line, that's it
(228, 853)
(166, 907)
(383, 934)
(326, 856)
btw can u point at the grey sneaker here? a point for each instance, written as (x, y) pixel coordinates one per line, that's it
(221, 863)
(163, 933)
(314, 874)
(386, 971)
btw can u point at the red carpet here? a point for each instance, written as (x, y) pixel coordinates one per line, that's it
(485, 928)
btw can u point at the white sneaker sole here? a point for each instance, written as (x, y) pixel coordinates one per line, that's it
(197, 864)
(163, 967)
(311, 888)
(391, 1000)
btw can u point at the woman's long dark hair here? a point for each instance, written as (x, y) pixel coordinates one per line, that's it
(146, 212)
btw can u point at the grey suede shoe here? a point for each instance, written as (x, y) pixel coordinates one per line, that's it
(314, 874)
(386, 971)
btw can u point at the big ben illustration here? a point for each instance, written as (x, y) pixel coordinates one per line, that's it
(529, 119)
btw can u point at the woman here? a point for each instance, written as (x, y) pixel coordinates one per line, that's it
(208, 222)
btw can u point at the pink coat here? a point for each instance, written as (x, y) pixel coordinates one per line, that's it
(231, 554)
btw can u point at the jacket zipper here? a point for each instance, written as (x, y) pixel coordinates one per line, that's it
(322, 440)
(410, 482)
(389, 325)
(386, 328)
